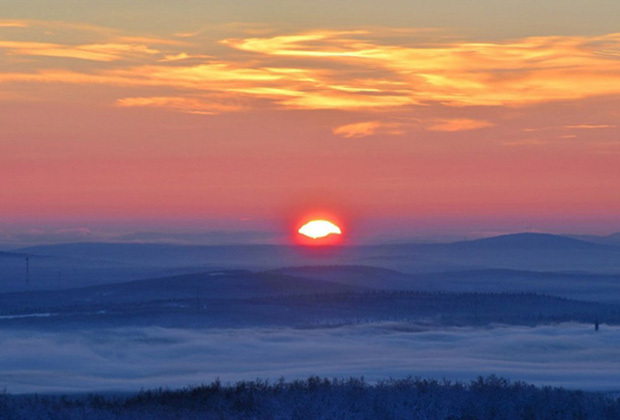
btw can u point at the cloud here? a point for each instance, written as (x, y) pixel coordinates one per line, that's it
(569, 355)
(367, 128)
(297, 45)
(530, 70)
(13, 24)
(377, 70)
(189, 105)
(93, 52)
(459, 124)
(184, 56)
(370, 128)
(588, 126)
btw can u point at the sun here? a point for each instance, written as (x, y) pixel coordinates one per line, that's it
(316, 229)
(319, 228)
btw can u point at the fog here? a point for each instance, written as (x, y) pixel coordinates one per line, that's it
(128, 359)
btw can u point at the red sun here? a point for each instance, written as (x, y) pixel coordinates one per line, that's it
(319, 231)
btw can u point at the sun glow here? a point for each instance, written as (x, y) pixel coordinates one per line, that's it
(319, 229)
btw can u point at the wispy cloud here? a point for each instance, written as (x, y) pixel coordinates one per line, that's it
(530, 70)
(13, 24)
(94, 52)
(368, 128)
(588, 126)
(184, 56)
(372, 70)
(189, 105)
(459, 124)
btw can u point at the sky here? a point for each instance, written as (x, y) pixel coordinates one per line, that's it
(404, 120)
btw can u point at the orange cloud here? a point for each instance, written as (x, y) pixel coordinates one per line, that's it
(184, 56)
(530, 70)
(94, 52)
(298, 45)
(189, 105)
(12, 24)
(367, 128)
(589, 126)
(459, 124)
(373, 70)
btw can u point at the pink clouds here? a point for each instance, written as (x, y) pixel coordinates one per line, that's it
(102, 122)
(367, 128)
(343, 70)
(462, 124)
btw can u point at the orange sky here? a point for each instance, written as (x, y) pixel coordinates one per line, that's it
(250, 123)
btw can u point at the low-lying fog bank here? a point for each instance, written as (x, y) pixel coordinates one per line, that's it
(129, 359)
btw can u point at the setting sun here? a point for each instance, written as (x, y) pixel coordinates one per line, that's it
(319, 229)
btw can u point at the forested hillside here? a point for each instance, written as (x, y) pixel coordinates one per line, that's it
(317, 398)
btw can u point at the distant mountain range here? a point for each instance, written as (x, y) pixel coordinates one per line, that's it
(236, 298)
(104, 250)
(592, 287)
(84, 264)
(529, 241)
(230, 284)
(522, 251)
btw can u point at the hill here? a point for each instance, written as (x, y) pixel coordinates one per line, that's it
(522, 241)
(522, 251)
(231, 284)
(236, 298)
(82, 264)
(209, 256)
(583, 286)
(353, 275)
